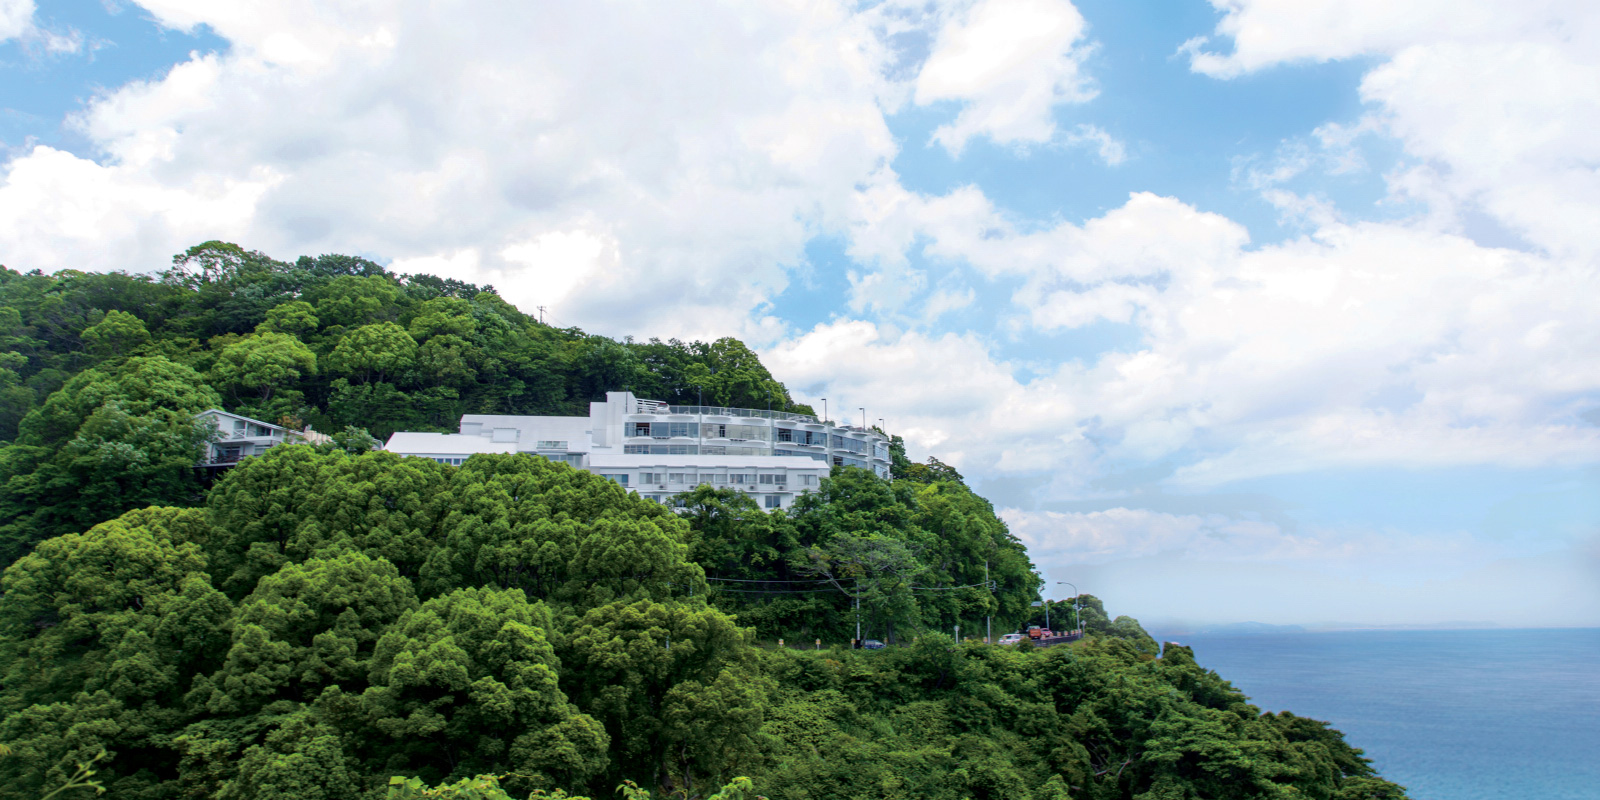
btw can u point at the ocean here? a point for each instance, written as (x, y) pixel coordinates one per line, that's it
(1450, 715)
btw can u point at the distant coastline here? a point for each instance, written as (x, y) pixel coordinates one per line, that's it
(1169, 629)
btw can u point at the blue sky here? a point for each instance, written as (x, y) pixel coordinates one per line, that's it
(1257, 310)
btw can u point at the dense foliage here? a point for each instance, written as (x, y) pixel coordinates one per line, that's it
(324, 618)
(100, 373)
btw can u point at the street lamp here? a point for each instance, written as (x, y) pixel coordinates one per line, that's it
(824, 410)
(1077, 617)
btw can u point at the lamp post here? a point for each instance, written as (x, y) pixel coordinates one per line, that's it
(1077, 618)
(824, 410)
(863, 419)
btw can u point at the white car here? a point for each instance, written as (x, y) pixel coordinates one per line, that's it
(1011, 638)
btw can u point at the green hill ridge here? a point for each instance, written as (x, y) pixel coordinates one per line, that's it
(323, 618)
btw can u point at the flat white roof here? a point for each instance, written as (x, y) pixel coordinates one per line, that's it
(444, 444)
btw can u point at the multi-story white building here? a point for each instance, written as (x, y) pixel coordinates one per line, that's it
(658, 450)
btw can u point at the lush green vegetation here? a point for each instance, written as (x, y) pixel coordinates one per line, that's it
(100, 373)
(322, 619)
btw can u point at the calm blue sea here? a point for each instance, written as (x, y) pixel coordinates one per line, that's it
(1451, 715)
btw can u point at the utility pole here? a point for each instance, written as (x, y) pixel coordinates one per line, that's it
(858, 612)
(988, 620)
(541, 315)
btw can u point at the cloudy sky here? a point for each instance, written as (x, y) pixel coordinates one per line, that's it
(1270, 310)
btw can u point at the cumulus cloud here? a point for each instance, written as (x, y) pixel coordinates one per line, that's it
(637, 182)
(1009, 62)
(1359, 344)
(946, 394)
(1493, 102)
(1197, 568)
(17, 23)
(1111, 151)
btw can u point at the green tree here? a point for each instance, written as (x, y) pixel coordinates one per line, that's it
(116, 336)
(296, 318)
(374, 353)
(468, 683)
(262, 364)
(676, 686)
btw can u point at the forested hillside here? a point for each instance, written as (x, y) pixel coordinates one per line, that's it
(323, 618)
(100, 373)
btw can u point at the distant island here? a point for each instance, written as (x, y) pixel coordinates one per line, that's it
(327, 620)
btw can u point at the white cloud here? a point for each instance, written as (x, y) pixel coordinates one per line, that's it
(16, 18)
(1200, 568)
(1361, 344)
(1111, 151)
(1010, 62)
(17, 22)
(1495, 103)
(945, 394)
(482, 138)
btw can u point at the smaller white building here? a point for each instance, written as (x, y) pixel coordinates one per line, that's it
(240, 436)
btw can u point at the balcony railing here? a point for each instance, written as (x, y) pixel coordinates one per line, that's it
(723, 411)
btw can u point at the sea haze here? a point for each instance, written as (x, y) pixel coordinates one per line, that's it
(1451, 715)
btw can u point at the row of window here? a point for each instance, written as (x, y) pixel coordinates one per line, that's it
(770, 501)
(736, 479)
(812, 456)
(852, 445)
(667, 430)
(795, 436)
(660, 449)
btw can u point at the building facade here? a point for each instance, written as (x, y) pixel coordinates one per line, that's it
(658, 450)
(238, 437)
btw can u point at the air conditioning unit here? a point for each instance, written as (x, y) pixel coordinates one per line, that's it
(662, 486)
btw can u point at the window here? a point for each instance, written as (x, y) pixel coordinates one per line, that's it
(714, 450)
(785, 435)
(715, 479)
(774, 501)
(771, 479)
(679, 477)
(636, 449)
(739, 478)
(652, 477)
(619, 478)
(808, 480)
(551, 444)
(453, 461)
(681, 429)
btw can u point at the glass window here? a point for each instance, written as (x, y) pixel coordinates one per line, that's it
(808, 480)
(682, 429)
(620, 478)
(551, 444)
(785, 435)
(742, 477)
(680, 477)
(774, 501)
(636, 449)
(715, 479)
(770, 479)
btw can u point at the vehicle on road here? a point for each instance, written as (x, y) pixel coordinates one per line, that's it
(871, 644)
(1011, 638)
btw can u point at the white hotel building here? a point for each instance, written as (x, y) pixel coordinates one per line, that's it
(658, 450)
